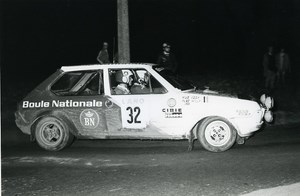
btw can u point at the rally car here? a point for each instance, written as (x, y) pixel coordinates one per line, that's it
(135, 101)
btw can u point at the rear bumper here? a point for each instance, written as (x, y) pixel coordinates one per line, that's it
(21, 123)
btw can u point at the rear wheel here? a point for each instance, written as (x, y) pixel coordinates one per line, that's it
(216, 134)
(52, 134)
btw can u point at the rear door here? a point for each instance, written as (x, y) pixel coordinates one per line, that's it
(80, 95)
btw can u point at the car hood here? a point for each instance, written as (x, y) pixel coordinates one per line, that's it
(207, 91)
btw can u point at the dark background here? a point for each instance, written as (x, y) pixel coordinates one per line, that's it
(39, 36)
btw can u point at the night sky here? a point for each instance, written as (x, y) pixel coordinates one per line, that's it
(39, 36)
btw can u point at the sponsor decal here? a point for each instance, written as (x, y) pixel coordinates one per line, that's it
(172, 112)
(133, 101)
(61, 104)
(187, 100)
(89, 118)
(109, 104)
(243, 112)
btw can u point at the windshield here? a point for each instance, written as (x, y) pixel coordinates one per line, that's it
(175, 80)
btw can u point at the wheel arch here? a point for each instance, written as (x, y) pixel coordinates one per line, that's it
(56, 114)
(194, 129)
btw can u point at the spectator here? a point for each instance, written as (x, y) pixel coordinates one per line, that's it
(166, 59)
(103, 56)
(282, 62)
(269, 69)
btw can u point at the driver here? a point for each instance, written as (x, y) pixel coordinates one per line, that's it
(142, 86)
(125, 79)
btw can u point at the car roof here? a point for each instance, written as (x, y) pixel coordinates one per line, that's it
(101, 66)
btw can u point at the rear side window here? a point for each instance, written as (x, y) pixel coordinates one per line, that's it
(79, 83)
(66, 82)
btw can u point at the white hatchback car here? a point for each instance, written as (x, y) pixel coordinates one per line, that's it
(135, 101)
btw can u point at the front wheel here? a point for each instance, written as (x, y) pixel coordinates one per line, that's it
(52, 134)
(216, 134)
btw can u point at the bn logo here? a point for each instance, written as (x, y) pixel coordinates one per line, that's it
(89, 118)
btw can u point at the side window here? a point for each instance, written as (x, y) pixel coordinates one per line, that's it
(79, 83)
(112, 80)
(134, 81)
(120, 81)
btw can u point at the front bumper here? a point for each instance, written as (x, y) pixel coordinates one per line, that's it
(246, 126)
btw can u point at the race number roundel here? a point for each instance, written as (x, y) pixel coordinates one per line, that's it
(89, 118)
(171, 102)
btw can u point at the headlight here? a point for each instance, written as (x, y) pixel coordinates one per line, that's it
(263, 98)
(269, 103)
(268, 116)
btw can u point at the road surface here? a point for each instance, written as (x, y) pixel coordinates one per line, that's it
(121, 167)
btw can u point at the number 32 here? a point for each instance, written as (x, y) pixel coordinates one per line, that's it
(133, 114)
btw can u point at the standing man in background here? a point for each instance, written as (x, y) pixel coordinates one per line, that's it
(103, 56)
(269, 69)
(282, 62)
(166, 59)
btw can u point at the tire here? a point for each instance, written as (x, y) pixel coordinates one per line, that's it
(216, 134)
(53, 134)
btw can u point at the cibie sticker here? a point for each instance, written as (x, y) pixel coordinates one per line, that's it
(89, 118)
(172, 112)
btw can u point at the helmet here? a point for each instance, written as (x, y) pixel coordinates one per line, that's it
(123, 76)
(143, 76)
(164, 45)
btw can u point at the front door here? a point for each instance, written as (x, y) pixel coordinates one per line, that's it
(144, 112)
